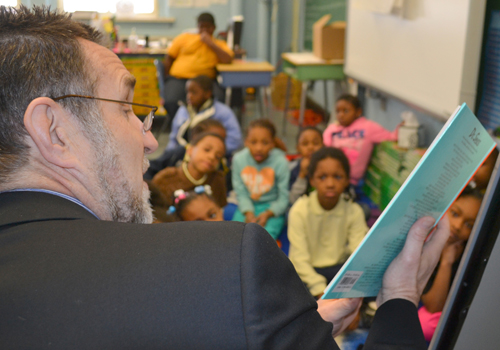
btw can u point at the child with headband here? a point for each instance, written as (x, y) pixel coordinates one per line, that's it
(196, 205)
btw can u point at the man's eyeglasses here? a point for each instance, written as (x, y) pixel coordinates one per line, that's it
(146, 124)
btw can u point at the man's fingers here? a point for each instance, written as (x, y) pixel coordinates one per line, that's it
(416, 237)
(348, 306)
(438, 238)
(335, 310)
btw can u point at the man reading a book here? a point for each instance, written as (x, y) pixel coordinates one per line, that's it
(81, 267)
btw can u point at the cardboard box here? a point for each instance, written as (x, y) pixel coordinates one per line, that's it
(328, 39)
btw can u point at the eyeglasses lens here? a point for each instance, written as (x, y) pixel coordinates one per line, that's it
(148, 121)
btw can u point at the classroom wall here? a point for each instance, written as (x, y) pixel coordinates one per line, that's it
(389, 116)
(285, 26)
(256, 40)
(431, 125)
(30, 3)
(254, 15)
(254, 12)
(249, 37)
(185, 18)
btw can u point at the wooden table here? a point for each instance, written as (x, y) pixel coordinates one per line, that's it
(306, 67)
(242, 74)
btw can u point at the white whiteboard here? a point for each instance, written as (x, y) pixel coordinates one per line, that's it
(430, 59)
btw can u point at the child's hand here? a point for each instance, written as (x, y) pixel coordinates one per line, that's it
(249, 217)
(452, 252)
(206, 38)
(262, 218)
(304, 165)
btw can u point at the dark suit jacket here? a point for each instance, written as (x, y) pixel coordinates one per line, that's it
(70, 281)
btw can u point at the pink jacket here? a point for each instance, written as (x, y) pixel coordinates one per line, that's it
(357, 141)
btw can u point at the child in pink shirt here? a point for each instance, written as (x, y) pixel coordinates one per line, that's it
(355, 135)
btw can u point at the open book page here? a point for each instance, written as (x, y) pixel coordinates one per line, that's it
(437, 180)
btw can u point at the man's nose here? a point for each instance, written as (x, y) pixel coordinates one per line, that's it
(150, 143)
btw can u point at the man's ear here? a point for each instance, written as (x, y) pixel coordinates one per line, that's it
(47, 124)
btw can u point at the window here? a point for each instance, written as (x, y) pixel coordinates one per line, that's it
(8, 3)
(123, 7)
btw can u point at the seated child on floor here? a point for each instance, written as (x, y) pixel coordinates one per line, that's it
(203, 157)
(309, 141)
(173, 157)
(196, 205)
(355, 135)
(201, 106)
(462, 215)
(260, 178)
(326, 226)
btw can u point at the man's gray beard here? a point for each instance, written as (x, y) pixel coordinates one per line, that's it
(117, 195)
(122, 202)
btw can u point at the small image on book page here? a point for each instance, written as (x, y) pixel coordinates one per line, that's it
(348, 281)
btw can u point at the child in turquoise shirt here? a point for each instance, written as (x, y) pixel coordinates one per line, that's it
(260, 177)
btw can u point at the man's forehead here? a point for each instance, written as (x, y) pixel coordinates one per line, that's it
(107, 65)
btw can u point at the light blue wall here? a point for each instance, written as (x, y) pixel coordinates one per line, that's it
(285, 26)
(185, 18)
(255, 17)
(252, 10)
(390, 116)
(249, 37)
(30, 3)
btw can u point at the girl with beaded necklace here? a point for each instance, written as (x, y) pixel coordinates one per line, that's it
(203, 157)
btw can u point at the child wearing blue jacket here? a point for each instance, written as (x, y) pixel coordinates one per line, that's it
(260, 178)
(200, 107)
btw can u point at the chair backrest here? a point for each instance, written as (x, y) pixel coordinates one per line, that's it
(160, 75)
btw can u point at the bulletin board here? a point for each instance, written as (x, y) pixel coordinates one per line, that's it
(429, 57)
(315, 9)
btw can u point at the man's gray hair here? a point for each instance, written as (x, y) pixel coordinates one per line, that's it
(40, 56)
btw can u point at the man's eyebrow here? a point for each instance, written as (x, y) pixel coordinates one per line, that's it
(130, 81)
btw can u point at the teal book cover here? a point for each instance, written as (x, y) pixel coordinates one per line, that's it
(443, 172)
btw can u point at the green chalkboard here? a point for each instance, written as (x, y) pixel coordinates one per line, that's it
(315, 9)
